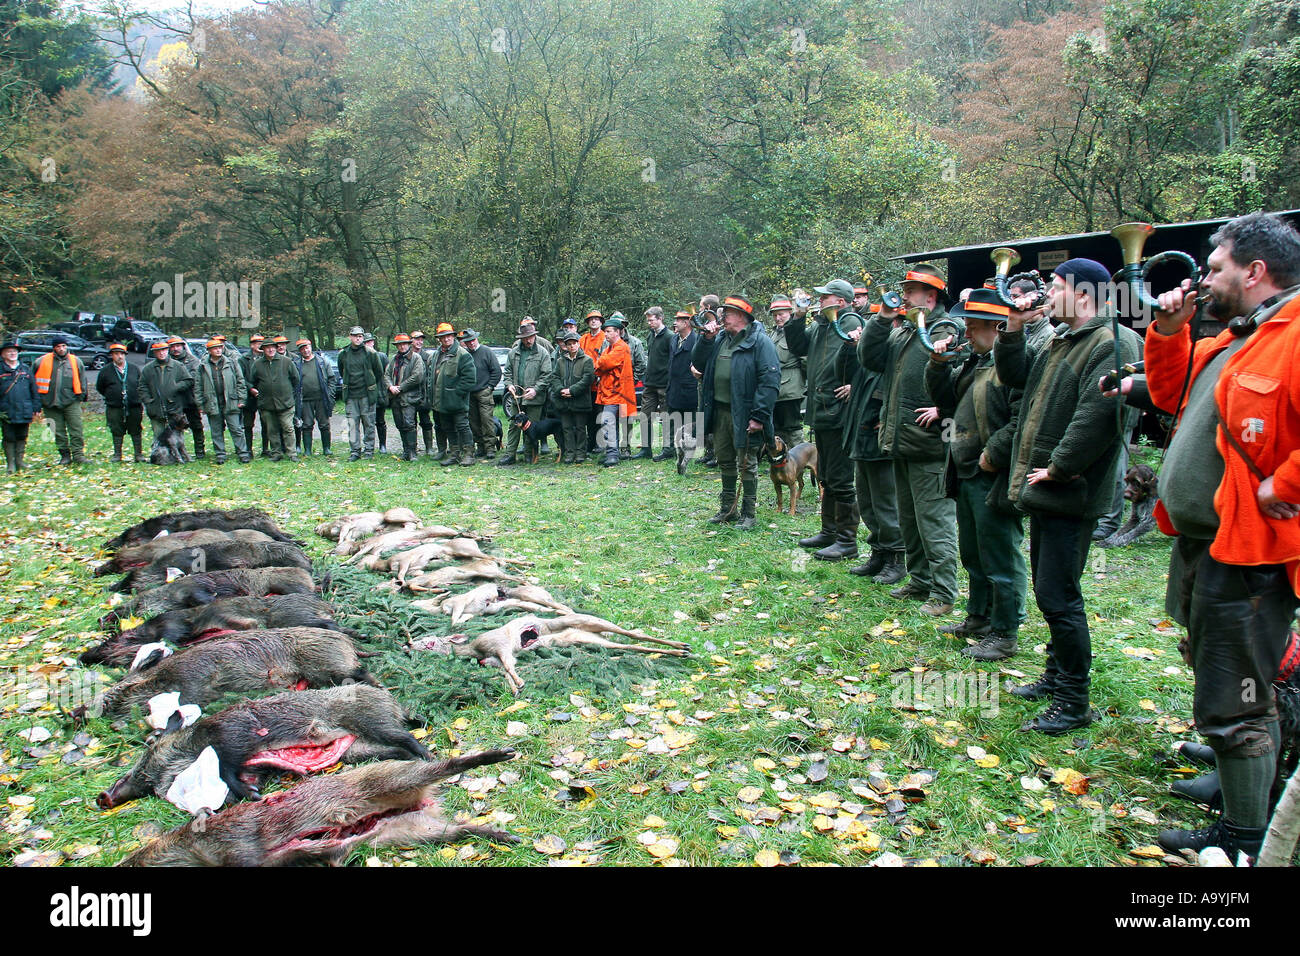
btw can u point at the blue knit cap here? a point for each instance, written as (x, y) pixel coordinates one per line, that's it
(1088, 272)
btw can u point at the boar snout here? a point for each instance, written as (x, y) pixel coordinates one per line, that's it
(124, 791)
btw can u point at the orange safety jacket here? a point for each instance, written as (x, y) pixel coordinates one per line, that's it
(1258, 397)
(592, 343)
(616, 385)
(45, 371)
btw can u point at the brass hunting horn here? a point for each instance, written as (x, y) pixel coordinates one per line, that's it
(1005, 258)
(1132, 236)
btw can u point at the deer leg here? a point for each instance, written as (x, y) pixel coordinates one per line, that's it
(573, 637)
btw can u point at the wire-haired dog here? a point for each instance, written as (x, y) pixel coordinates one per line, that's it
(537, 432)
(1140, 488)
(169, 447)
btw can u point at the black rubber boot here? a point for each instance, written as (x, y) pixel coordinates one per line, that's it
(117, 449)
(1203, 789)
(664, 454)
(726, 502)
(11, 458)
(1200, 753)
(306, 445)
(748, 503)
(1227, 836)
(643, 453)
(827, 534)
(19, 448)
(426, 431)
(845, 545)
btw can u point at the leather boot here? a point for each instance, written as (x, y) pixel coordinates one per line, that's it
(664, 454)
(873, 566)
(994, 647)
(11, 464)
(117, 449)
(1229, 837)
(467, 455)
(1060, 717)
(895, 569)
(452, 457)
(827, 534)
(1043, 687)
(726, 502)
(643, 453)
(749, 501)
(845, 545)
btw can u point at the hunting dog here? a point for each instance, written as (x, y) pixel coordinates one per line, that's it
(535, 433)
(169, 447)
(1140, 490)
(787, 467)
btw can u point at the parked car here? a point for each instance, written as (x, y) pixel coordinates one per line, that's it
(93, 332)
(94, 356)
(136, 334)
(502, 353)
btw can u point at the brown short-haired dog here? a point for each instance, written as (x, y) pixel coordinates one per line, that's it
(788, 466)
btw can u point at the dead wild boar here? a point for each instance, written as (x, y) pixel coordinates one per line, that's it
(224, 556)
(138, 555)
(392, 803)
(224, 616)
(301, 732)
(196, 589)
(246, 662)
(254, 518)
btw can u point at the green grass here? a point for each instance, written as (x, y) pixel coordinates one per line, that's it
(787, 680)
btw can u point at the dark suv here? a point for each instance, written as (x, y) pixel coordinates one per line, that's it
(136, 334)
(95, 356)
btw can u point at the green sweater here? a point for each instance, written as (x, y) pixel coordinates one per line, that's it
(276, 381)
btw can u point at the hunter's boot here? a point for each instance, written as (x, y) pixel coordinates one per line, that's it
(117, 448)
(726, 502)
(1229, 837)
(19, 448)
(874, 564)
(11, 458)
(427, 432)
(895, 569)
(306, 445)
(452, 456)
(749, 500)
(467, 456)
(827, 534)
(846, 534)
(139, 449)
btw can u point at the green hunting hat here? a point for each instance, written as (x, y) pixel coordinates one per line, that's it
(836, 287)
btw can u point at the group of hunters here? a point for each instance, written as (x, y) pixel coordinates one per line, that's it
(940, 447)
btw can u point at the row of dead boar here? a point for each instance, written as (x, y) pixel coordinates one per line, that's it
(251, 621)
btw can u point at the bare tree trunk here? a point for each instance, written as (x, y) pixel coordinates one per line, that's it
(1284, 828)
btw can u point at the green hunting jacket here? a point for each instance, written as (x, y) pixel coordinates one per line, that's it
(232, 378)
(898, 355)
(276, 381)
(453, 379)
(821, 348)
(1064, 422)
